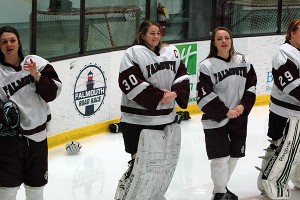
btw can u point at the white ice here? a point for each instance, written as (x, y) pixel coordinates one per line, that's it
(93, 174)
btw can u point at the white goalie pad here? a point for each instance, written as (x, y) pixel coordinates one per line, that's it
(154, 166)
(275, 173)
(295, 176)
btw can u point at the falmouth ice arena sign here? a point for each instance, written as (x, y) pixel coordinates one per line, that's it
(89, 90)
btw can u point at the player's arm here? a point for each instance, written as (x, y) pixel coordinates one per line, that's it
(249, 96)
(181, 86)
(207, 100)
(49, 85)
(286, 78)
(135, 87)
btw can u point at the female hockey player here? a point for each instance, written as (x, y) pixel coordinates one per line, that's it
(226, 89)
(27, 84)
(285, 103)
(151, 77)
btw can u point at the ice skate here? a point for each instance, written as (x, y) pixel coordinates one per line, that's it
(219, 196)
(230, 195)
(121, 187)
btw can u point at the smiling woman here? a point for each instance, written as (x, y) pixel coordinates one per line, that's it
(151, 77)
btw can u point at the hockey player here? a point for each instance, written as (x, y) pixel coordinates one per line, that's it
(283, 153)
(151, 77)
(226, 94)
(27, 84)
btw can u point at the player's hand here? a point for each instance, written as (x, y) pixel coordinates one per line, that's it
(240, 109)
(168, 96)
(232, 114)
(31, 68)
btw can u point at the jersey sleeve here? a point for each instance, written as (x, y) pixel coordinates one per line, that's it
(249, 96)
(207, 100)
(182, 86)
(286, 75)
(49, 86)
(134, 85)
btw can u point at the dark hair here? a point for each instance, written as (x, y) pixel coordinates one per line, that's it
(213, 49)
(143, 31)
(11, 29)
(293, 26)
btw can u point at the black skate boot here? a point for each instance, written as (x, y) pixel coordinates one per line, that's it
(220, 196)
(230, 195)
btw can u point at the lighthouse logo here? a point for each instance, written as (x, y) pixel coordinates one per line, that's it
(89, 90)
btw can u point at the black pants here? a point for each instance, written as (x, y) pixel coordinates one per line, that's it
(229, 140)
(276, 126)
(23, 161)
(131, 134)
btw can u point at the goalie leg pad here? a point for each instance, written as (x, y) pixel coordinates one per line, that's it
(276, 174)
(269, 153)
(295, 176)
(154, 165)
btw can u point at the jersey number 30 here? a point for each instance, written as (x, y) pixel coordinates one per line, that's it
(130, 82)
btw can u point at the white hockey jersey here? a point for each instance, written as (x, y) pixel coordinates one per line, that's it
(31, 97)
(143, 76)
(285, 93)
(223, 85)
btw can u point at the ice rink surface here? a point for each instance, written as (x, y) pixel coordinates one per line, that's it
(94, 173)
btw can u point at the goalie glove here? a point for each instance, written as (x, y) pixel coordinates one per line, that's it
(10, 120)
(11, 115)
(73, 148)
(114, 128)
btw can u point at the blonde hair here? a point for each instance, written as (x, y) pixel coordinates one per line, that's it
(293, 26)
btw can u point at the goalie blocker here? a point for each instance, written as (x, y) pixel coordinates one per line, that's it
(154, 165)
(10, 125)
(280, 162)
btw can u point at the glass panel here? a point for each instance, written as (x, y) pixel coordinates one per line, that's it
(112, 23)
(173, 16)
(200, 20)
(251, 16)
(184, 19)
(290, 11)
(18, 18)
(58, 28)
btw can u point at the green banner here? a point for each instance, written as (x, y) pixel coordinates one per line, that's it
(188, 53)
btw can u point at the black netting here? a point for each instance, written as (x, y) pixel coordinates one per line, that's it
(105, 27)
(258, 16)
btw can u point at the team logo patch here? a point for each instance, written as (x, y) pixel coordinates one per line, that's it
(89, 90)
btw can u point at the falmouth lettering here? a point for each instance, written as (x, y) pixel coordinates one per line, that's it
(13, 87)
(89, 93)
(239, 71)
(155, 67)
